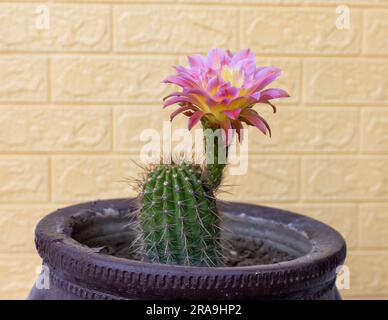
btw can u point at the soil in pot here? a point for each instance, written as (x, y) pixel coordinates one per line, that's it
(113, 234)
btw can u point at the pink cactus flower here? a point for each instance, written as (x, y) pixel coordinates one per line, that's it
(222, 89)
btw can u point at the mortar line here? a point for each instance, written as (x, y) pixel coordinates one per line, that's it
(113, 130)
(362, 36)
(19, 204)
(169, 54)
(48, 79)
(49, 177)
(301, 81)
(349, 155)
(301, 182)
(112, 31)
(303, 5)
(360, 133)
(300, 177)
(238, 32)
(358, 226)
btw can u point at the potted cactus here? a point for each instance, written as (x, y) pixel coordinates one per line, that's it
(175, 240)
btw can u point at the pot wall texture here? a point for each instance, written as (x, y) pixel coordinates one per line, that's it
(75, 94)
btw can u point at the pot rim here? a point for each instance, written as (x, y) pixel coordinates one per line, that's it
(60, 251)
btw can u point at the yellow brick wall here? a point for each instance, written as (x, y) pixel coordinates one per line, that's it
(74, 98)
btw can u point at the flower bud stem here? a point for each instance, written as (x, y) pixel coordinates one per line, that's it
(216, 155)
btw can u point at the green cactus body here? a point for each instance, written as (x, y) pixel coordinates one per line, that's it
(215, 167)
(179, 218)
(216, 154)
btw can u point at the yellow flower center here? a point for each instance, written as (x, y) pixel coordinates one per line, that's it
(232, 75)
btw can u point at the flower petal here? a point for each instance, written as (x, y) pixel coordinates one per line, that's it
(179, 81)
(182, 109)
(242, 102)
(195, 118)
(272, 106)
(232, 114)
(174, 100)
(266, 125)
(264, 77)
(223, 87)
(252, 118)
(226, 91)
(216, 58)
(242, 55)
(214, 84)
(174, 94)
(273, 93)
(202, 98)
(196, 61)
(239, 129)
(227, 133)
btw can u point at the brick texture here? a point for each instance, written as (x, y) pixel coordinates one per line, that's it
(275, 178)
(374, 132)
(344, 178)
(368, 271)
(376, 28)
(17, 224)
(346, 81)
(76, 178)
(61, 129)
(18, 272)
(374, 226)
(23, 79)
(299, 31)
(150, 29)
(109, 79)
(304, 130)
(76, 97)
(72, 28)
(24, 179)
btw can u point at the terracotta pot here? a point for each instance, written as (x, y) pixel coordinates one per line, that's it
(74, 270)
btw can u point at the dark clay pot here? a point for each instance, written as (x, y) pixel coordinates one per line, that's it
(73, 243)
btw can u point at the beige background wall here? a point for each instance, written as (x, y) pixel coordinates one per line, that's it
(74, 98)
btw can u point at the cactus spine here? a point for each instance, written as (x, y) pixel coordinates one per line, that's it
(178, 217)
